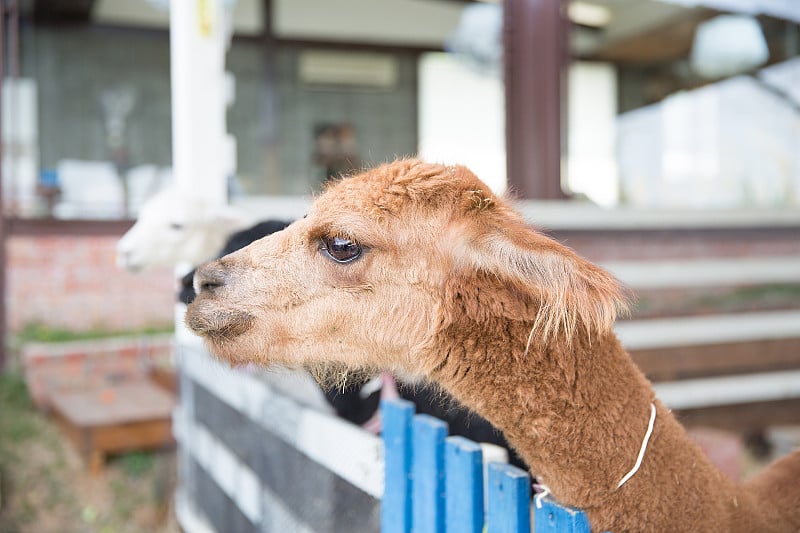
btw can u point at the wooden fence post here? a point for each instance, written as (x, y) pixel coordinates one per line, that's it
(463, 486)
(397, 498)
(550, 517)
(509, 500)
(434, 484)
(427, 472)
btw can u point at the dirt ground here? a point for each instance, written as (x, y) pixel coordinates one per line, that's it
(46, 488)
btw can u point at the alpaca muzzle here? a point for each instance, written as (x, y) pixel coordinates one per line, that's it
(209, 315)
(207, 320)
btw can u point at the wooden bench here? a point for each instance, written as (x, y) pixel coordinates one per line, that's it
(123, 417)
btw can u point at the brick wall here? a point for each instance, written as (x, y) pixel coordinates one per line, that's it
(71, 282)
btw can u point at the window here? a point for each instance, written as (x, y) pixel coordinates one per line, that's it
(677, 104)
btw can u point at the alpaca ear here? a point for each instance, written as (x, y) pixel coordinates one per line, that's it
(571, 290)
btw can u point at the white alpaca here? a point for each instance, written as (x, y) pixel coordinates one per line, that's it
(174, 228)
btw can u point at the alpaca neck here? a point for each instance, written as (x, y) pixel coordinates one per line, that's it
(577, 412)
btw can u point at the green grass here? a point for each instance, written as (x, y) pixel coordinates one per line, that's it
(16, 422)
(14, 393)
(44, 333)
(136, 464)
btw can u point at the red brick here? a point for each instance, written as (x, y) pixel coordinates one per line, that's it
(72, 283)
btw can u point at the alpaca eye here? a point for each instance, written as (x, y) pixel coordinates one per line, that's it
(176, 226)
(341, 250)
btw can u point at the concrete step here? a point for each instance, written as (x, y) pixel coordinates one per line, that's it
(706, 330)
(700, 273)
(730, 390)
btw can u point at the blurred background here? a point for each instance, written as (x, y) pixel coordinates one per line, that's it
(659, 138)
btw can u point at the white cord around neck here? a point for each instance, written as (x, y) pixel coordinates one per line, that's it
(539, 496)
(644, 446)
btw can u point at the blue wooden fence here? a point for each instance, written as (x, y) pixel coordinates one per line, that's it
(434, 484)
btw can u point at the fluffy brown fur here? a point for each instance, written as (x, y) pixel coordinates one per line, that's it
(453, 285)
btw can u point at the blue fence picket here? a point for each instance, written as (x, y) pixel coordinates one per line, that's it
(427, 471)
(434, 484)
(551, 517)
(397, 501)
(463, 486)
(509, 500)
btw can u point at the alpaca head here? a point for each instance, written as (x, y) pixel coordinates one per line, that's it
(173, 226)
(383, 263)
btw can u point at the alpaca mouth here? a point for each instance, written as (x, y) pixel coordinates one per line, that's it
(212, 323)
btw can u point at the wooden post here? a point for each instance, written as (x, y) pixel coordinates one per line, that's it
(396, 502)
(535, 58)
(509, 499)
(203, 154)
(463, 486)
(8, 11)
(427, 471)
(434, 483)
(2, 199)
(550, 517)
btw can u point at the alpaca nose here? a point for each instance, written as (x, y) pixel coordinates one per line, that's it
(210, 277)
(126, 260)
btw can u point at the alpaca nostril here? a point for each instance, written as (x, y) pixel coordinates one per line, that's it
(209, 277)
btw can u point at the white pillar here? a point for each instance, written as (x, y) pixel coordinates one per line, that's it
(203, 154)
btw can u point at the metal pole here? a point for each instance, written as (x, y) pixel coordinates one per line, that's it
(8, 11)
(2, 199)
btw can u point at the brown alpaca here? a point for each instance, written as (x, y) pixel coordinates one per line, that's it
(421, 270)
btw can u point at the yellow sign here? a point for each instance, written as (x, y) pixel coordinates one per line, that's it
(205, 17)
